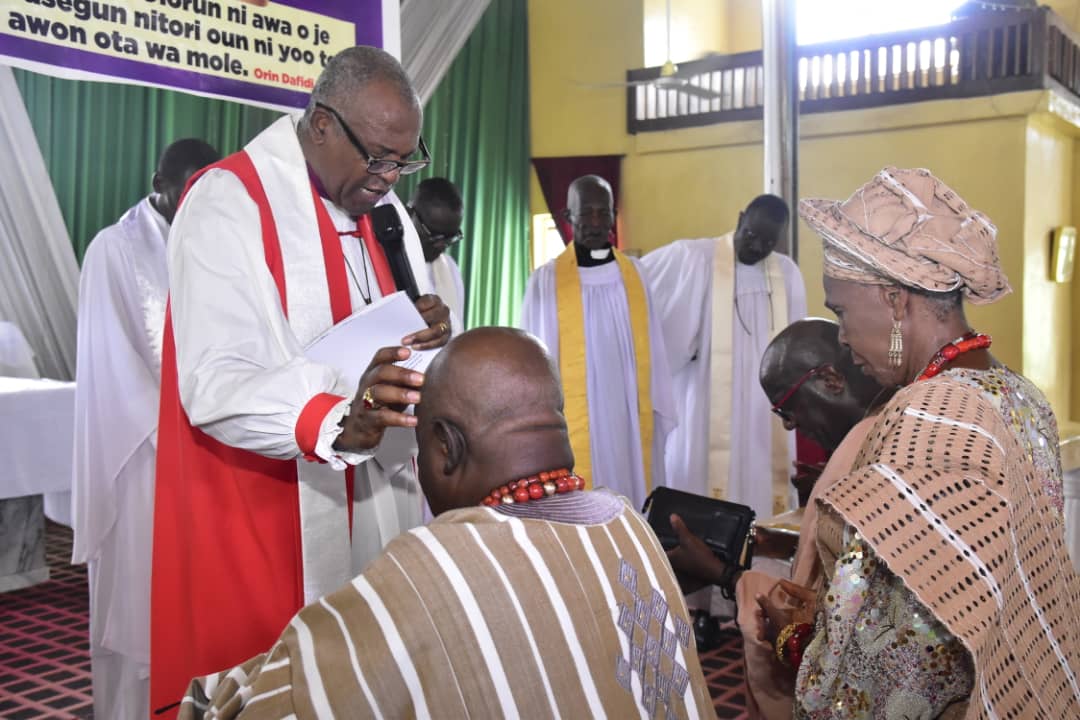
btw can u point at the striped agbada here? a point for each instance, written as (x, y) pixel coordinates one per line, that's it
(562, 608)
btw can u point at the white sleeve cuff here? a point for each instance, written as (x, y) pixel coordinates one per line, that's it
(328, 433)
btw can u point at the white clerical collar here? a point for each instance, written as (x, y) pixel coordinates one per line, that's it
(601, 254)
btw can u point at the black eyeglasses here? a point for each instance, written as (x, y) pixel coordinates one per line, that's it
(380, 166)
(778, 407)
(446, 238)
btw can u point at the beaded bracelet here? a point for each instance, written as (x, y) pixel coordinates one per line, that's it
(791, 641)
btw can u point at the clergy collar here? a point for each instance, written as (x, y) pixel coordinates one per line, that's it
(592, 258)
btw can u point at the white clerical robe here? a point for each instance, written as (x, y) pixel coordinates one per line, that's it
(611, 386)
(122, 294)
(445, 276)
(243, 375)
(680, 277)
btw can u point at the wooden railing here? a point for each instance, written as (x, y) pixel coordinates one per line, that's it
(986, 54)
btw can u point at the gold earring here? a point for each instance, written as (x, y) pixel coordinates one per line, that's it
(896, 345)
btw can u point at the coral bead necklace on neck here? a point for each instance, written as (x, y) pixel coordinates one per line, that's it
(952, 350)
(534, 487)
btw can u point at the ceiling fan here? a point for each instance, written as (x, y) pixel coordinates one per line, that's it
(672, 77)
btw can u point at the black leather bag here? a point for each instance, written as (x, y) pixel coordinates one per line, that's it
(726, 527)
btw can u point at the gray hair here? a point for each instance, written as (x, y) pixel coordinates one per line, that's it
(346, 74)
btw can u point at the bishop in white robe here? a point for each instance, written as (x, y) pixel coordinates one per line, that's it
(262, 450)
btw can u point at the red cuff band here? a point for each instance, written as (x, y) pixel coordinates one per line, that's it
(310, 421)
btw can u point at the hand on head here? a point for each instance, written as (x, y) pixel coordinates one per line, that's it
(492, 413)
(385, 391)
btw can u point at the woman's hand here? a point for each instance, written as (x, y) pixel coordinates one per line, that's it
(786, 603)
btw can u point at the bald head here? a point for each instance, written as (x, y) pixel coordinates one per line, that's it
(831, 400)
(491, 413)
(590, 208)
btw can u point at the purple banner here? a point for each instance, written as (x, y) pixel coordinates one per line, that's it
(258, 51)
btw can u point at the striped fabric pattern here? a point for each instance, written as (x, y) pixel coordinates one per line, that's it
(482, 614)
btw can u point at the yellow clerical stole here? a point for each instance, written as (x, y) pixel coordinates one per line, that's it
(573, 358)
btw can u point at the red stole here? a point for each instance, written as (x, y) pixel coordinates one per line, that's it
(227, 560)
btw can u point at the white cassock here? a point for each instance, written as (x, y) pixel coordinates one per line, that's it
(611, 388)
(680, 277)
(122, 292)
(445, 277)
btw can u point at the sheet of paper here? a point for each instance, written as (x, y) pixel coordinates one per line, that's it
(350, 345)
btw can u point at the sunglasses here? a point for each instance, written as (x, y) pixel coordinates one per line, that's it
(778, 407)
(447, 238)
(380, 166)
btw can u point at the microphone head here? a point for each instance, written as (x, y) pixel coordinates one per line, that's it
(386, 222)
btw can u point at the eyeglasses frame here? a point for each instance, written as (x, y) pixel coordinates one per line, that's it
(404, 168)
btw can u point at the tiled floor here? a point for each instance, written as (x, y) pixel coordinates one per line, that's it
(723, 669)
(45, 655)
(44, 646)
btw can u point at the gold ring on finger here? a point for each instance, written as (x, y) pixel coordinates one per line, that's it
(369, 400)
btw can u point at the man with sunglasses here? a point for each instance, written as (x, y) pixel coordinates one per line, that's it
(436, 211)
(813, 386)
(274, 484)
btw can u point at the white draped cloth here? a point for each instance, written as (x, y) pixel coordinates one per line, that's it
(16, 355)
(611, 376)
(122, 295)
(38, 272)
(445, 276)
(681, 283)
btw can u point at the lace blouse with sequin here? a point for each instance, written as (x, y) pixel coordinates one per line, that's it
(877, 651)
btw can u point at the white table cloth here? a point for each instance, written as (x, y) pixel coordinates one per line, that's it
(36, 435)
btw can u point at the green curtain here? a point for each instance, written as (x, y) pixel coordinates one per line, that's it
(101, 141)
(477, 126)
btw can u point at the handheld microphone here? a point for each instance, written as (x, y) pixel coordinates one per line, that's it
(386, 223)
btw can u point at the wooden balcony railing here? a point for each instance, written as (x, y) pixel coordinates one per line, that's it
(987, 54)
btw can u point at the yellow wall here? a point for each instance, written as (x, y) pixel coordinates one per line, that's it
(1076, 289)
(1069, 10)
(743, 25)
(697, 27)
(1048, 318)
(1005, 155)
(671, 191)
